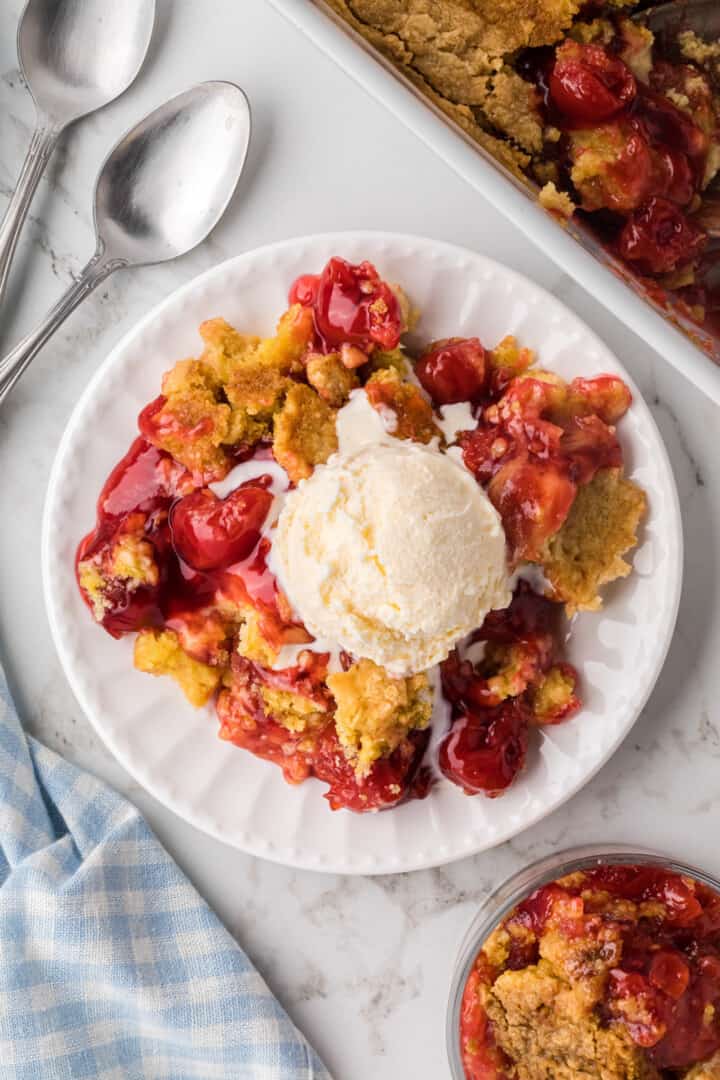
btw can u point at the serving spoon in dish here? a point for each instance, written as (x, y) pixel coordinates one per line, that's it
(75, 56)
(159, 194)
(669, 19)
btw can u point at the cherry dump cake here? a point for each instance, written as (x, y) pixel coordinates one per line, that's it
(618, 126)
(342, 546)
(611, 973)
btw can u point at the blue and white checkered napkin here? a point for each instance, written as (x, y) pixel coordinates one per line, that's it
(111, 965)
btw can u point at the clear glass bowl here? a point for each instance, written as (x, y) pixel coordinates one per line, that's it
(501, 902)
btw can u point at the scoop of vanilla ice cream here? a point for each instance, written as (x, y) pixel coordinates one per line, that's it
(393, 551)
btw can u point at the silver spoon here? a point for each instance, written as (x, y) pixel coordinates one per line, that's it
(75, 56)
(160, 192)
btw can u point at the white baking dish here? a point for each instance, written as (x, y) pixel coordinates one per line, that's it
(572, 249)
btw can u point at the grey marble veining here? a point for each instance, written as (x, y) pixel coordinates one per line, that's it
(363, 965)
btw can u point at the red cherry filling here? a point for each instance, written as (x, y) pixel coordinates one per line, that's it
(689, 1037)
(665, 125)
(678, 182)
(632, 174)
(533, 499)
(481, 1057)
(133, 503)
(606, 395)
(485, 750)
(641, 883)
(244, 722)
(550, 903)
(493, 702)
(669, 972)
(389, 781)
(209, 533)
(588, 85)
(645, 153)
(533, 447)
(453, 370)
(304, 290)
(146, 479)
(644, 1014)
(659, 237)
(129, 610)
(351, 305)
(591, 445)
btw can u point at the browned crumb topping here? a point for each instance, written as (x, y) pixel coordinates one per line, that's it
(557, 202)
(227, 398)
(294, 711)
(593, 153)
(304, 432)
(382, 359)
(510, 358)
(133, 559)
(512, 108)
(596, 31)
(225, 347)
(331, 378)
(207, 634)
(553, 694)
(546, 981)
(587, 551)
(460, 52)
(458, 40)
(705, 54)
(637, 49)
(409, 413)
(375, 711)
(194, 423)
(546, 1023)
(545, 1014)
(291, 341)
(158, 652)
(252, 642)
(454, 52)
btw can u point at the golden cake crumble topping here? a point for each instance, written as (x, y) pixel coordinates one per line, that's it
(375, 711)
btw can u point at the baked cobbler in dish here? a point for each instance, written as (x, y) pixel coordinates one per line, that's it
(611, 973)
(617, 127)
(346, 548)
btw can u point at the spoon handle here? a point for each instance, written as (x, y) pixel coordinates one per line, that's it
(13, 365)
(41, 147)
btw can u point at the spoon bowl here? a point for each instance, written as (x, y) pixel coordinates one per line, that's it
(78, 55)
(167, 182)
(160, 192)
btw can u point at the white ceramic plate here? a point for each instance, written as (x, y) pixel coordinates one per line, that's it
(172, 749)
(517, 202)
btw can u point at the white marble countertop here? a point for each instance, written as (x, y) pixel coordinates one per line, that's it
(362, 965)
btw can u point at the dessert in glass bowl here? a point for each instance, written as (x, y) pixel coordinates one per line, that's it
(619, 127)
(593, 963)
(364, 559)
